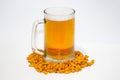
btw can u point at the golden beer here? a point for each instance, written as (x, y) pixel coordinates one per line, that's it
(59, 38)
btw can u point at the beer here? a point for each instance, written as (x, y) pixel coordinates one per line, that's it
(59, 38)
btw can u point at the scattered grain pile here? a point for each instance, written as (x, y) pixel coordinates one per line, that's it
(69, 66)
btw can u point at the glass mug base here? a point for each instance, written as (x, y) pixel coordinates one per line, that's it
(59, 54)
(51, 59)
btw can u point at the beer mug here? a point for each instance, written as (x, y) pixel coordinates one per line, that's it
(58, 34)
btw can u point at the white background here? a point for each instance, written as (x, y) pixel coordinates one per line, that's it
(97, 32)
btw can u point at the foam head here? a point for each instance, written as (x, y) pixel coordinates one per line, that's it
(59, 14)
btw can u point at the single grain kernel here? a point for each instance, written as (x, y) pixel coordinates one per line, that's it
(45, 72)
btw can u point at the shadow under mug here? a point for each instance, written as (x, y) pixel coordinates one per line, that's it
(58, 34)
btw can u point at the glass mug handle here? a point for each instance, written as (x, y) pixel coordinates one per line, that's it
(33, 37)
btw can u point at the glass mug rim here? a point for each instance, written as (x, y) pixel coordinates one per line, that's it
(48, 11)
